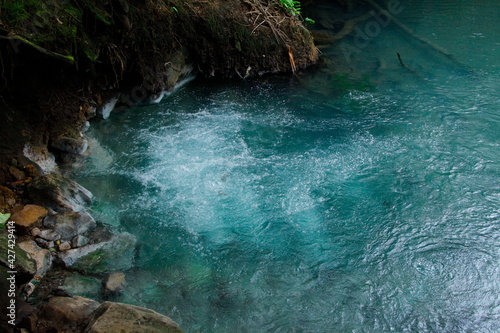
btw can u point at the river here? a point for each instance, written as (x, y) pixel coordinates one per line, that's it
(363, 196)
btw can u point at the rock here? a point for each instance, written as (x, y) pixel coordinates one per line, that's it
(79, 241)
(105, 109)
(28, 216)
(113, 255)
(7, 198)
(73, 145)
(85, 126)
(62, 312)
(117, 317)
(64, 246)
(24, 265)
(16, 173)
(59, 193)
(49, 234)
(35, 232)
(70, 224)
(115, 283)
(42, 257)
(41, 157)
(85, 286)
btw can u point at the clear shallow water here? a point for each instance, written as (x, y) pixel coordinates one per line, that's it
(360, 198)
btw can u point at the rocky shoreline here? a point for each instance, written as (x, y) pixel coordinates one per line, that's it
(66, 63)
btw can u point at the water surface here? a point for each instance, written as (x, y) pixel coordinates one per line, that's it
(361, 197)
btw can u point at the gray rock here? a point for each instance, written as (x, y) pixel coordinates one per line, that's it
(105, 109)
(41, 157)
(115, 283)
(124, 318)
(80, 285)
(115, 254)
(70, 224)
(59, 193)
(74, 145)
(49, 234)
(41, 256)
(79, 241)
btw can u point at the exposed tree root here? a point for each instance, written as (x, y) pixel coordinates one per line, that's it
(18, 40)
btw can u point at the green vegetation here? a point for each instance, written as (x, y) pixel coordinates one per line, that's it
(295, 9)
(293, 6)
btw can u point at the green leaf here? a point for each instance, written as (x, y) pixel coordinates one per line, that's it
(3, 219)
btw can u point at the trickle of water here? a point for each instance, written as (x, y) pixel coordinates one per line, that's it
(343, 203)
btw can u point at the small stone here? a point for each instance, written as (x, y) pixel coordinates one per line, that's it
(35, 232)
(51, 245)
(49, 234)
(41, 241)
(28, 216)
(79, 241)
(115, 283)
(65, 245)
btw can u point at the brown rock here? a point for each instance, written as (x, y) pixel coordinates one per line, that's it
(28, 216)
(16, 173)
(7, 198)
(124, 318)
(75, 310)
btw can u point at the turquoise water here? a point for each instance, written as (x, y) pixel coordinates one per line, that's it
(359, 197)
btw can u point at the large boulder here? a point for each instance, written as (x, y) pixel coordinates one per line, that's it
(70, 224)
(23, 264)
(114, 254)
(73, 145)
(59, 193)
(116, 317)
(67, 314)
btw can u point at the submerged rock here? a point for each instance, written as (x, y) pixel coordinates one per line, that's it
(81, 285)
(112, 255)
(115, 283)
(70, 224)
(59, 193)
(124, 318)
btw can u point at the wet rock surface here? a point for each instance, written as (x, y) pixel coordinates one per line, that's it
(117, 317)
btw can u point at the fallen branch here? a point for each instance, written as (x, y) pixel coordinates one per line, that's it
(17, 40)
(410, 32)
(403, 64)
